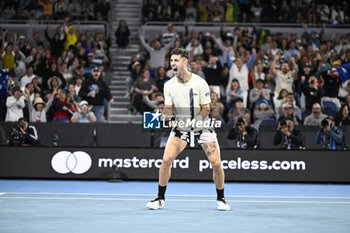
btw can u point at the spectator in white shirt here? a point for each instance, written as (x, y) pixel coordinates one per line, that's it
(78, 83)
(15, 105)
(28, 77)
(194, 48)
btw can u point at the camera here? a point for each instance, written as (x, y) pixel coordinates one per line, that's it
(283, 123)
(312, 81)
(15, 136)
(324, 123)
(240, 121)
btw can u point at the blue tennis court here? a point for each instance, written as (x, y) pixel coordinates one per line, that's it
(98, 206)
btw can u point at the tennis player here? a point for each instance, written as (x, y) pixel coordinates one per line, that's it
(187, 96)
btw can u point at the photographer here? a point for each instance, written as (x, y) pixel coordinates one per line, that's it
(289, 136)
(23, 134)
(246, 136)
(330, 136)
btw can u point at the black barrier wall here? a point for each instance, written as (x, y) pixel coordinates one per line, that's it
(122, 135)
(132, 135)
(67, 134)
(191, 165)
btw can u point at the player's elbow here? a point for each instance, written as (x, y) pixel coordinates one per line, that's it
(205, 108)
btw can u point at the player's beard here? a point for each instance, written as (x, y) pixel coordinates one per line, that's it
(180, 76)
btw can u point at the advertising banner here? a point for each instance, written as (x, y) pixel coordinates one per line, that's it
(190, 165)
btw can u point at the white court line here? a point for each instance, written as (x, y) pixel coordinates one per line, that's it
(177, 195)
(174, 200)
(2, 194)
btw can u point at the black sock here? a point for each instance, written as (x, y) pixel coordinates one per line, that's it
(220, 194)
(161, 192)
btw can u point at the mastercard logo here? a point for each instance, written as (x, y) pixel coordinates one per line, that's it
(77, 162)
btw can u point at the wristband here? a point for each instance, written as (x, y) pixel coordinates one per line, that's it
(245, 133)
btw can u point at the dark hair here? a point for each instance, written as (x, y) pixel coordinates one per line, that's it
(339, 116)
(64, 91)
(157, 72)
(181, 52)
(144, 71)
(16, 88)
(28, 84)
(280, 93)
(22, 119)
(21, 122)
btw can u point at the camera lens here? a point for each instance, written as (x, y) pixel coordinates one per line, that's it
(324, 123)
(240, 121)
(283, 123)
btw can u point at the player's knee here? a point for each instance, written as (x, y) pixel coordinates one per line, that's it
(167, 162)
(216, 165)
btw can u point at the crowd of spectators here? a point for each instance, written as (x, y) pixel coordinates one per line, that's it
(257, 11)
(55, 10)
(56, 78)
(263, 80)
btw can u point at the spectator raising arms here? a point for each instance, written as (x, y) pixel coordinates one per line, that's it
(72, 35)
(84, 113)
(7, 53)
(38, 109)
(239, 70)
(212, 73)
(284, 76)
(56, 43)
(47, 8)
(63, 111)
(157, 53)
